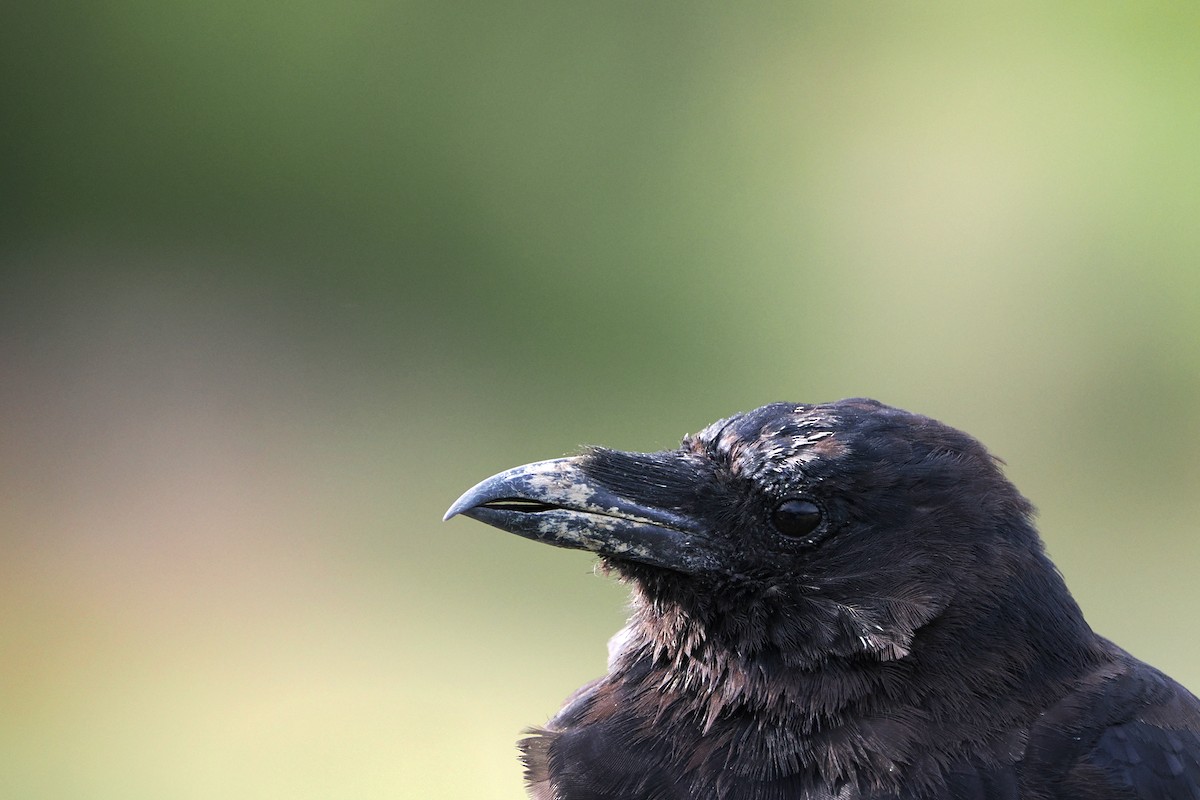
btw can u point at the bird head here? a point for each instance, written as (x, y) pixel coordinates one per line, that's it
(807, 531)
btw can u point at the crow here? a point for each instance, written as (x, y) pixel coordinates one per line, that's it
(843, 600)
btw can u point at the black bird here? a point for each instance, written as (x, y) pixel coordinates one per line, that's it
(842, 601)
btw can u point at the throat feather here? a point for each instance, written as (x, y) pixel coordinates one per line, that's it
(805, 666)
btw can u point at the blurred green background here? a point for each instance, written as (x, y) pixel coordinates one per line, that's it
(280, 280)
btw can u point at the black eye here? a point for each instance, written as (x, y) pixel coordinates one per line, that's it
(796, 517)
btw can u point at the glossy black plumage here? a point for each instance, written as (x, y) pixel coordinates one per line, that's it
(835, 601)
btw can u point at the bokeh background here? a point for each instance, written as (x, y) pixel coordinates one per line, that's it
(278, 281)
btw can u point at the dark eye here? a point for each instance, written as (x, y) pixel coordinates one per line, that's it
(796, 517)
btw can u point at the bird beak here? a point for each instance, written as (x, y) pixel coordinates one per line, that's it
(558, 503)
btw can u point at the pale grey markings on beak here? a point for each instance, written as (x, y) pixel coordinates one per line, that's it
(556, 502)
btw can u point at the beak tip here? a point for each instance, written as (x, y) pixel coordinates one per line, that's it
(469, 499)
(460, 505)
(487, 489)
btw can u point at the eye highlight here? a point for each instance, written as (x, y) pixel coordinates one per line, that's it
(795, 517)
